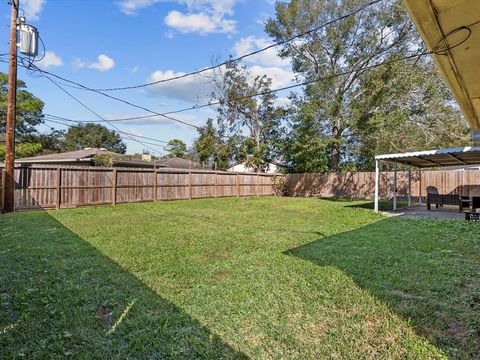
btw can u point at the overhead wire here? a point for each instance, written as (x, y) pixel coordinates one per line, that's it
(417, 55)
(98, 115)
(68, 123)
(252, 53)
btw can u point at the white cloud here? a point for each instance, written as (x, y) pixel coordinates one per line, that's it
(155, 120)
(33, 8)
(283, 102)
(79, 64)
(202, 16)
(50, 60)
(130, 7)
(132, 70)
(196, 88)
(199, 88)
(268, 57)
(104, 63)
(280, 77)
(201, 23)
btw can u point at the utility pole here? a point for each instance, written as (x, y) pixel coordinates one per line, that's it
(9, 201)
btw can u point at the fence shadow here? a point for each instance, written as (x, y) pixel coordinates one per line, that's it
(61, 297)
(427, 277)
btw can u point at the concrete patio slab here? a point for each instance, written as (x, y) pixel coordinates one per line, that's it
(415, 212)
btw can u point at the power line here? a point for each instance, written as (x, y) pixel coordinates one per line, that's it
(119, 131)
(98, 115)
(308, 82)
(218, 102)
(258, 51)
(33, 67)
(113, 119)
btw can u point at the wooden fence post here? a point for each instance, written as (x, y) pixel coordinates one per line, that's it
(155, 185)
(59, 188)
(255, 190)
(190, 185)
(114, 187)
(216, 184)
(238, 185)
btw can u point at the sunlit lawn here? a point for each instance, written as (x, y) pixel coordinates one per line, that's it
(234, 278)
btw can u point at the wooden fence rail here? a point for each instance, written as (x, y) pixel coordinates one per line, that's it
(49, 187)
(361, 185)
(63, 187)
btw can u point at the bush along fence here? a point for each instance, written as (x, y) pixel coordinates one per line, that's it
(361, 185)
(55, 187)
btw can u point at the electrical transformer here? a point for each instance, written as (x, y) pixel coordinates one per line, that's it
(28, 40)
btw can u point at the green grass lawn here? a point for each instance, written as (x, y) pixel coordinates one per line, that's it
(237, 278)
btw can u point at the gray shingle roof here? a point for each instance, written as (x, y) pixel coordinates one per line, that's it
(178, 163)
(77, 155)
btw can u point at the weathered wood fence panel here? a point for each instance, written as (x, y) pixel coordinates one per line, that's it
(63, 187)
(362, 184)
(41, 187)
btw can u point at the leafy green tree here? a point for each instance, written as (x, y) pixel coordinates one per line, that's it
(93, 136)
(304, 150)
(177, 148)
(209, 147)
(22, 150)
(347, 47)
(417, 114)
(51, 142)
(29, 108)
(257, 118)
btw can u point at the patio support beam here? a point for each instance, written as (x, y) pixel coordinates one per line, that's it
(395, 185)
(420, 187)
(429, 161)
(409, 185)
(377, 184)
(458, 159)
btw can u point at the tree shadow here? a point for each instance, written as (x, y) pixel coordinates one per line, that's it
(426, 271)
(61, 297)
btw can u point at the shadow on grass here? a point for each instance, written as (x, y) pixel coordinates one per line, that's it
(383, 205)
(60, 297)
(425, 270)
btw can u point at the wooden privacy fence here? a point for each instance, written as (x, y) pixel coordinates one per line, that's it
(64, 187)
(361, 185)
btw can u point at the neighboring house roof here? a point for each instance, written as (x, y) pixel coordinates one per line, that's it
(84, 155)
(238, 166)
(178, 163)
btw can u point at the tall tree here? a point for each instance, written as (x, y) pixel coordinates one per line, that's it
(257, 118)
(29, 109)
(418, 113)
(93, 136)
(209, 147)
(176, 148)
(349, 47)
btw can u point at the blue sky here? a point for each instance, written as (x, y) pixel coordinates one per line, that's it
(103, 43)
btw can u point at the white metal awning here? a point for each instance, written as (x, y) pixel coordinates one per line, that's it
(454, 26)
(436, 158)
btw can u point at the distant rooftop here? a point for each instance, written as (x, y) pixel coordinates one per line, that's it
(76, 156)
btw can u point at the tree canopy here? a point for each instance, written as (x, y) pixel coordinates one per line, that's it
(29, 109)
(176, 148)
(92, 136)
(360, 108)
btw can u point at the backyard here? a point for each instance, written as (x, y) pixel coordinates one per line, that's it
(237, 278)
